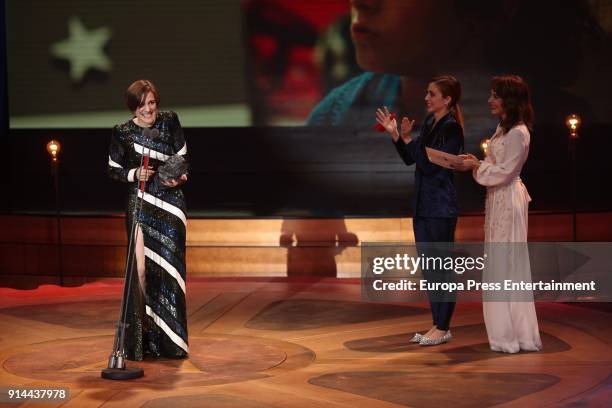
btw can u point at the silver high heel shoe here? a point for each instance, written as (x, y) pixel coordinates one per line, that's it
(425, 341)
(417, 338)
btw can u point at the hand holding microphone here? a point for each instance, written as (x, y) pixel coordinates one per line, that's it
(144, 173)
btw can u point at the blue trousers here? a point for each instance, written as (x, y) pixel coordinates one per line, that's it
(430, 229)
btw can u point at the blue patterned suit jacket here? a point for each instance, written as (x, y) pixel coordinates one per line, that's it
(435, 194)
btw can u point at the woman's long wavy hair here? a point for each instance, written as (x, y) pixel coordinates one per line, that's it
(516, 101)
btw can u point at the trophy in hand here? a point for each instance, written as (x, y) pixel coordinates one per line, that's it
(171, 170)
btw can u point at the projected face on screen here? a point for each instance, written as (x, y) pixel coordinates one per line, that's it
(395, 35)
(274, 62)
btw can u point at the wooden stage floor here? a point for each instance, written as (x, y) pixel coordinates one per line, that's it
(301, 343)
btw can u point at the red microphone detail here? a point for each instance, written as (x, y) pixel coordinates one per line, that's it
(145, 165)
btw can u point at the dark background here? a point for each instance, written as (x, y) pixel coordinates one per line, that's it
(301, 172)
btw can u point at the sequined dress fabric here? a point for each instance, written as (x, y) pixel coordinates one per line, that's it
(157, 322)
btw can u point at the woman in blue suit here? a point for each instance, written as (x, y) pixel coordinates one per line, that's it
(435, 204)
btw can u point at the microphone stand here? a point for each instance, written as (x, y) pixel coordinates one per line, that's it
(117, 370)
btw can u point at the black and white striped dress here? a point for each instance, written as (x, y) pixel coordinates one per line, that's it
(158, 321)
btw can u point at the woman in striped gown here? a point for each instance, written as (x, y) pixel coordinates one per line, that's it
(157, 318)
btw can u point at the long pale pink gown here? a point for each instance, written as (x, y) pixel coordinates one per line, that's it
(512, 325)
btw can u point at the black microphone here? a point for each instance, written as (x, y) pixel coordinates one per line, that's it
(151, 134)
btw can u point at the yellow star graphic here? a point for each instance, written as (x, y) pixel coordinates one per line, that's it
(83, 49)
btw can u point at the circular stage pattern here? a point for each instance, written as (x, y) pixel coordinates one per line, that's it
(213, 359)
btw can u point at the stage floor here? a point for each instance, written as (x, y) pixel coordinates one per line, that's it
(300, 343)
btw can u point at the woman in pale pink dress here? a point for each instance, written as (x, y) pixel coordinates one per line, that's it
(511, 320)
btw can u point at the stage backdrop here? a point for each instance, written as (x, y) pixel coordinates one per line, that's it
(293, 172)
(277, 96)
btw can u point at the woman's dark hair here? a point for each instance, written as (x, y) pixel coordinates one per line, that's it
(449, 86)
(516, 101)
(137, 92)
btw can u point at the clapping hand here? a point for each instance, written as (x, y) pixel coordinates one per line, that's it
(407, 126)
(387, 121)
